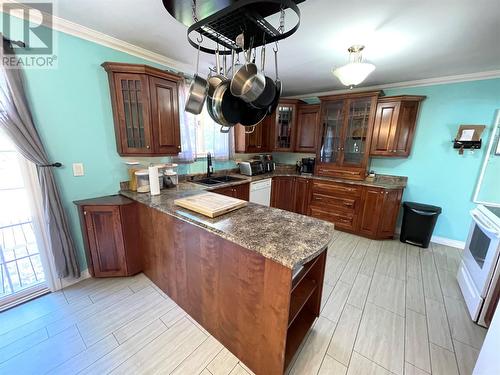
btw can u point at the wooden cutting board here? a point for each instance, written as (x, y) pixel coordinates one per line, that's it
(211, 204)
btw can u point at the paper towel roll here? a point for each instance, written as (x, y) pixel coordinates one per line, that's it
(154, 183)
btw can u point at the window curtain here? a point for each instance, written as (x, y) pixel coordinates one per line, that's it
(200, 134)
(17, 122)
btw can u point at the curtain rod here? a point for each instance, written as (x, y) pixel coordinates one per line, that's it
(18, 43)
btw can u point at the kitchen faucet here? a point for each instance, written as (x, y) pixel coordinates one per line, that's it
(210, 169)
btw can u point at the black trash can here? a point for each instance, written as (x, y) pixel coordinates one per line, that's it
(419, 221)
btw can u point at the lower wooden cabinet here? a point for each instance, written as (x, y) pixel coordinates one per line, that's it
(239, 191)
(368, 211)
(110, 233)
(291, 194)
(380, 212)
(301, 195)
(282, 193)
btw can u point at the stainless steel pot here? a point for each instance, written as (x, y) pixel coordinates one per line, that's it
(218, 78)
(197, 91)
(267, 97)
(248, 82)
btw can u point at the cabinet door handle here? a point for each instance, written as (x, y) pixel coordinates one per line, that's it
(148, 146)
(85, 212)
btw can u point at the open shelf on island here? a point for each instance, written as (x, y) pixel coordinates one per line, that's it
(296, 333)
(299, 298)
(305, 302)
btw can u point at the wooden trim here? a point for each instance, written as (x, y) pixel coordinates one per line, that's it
(351, 95)
(388, 99)
(115, 67)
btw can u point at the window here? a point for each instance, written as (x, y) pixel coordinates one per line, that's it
(200, 135)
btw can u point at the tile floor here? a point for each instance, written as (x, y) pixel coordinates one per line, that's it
(388, 308)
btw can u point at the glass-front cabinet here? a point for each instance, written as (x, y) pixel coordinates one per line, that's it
(346, 130)
(286, 121)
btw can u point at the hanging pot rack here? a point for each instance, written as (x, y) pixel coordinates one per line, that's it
(242, 16)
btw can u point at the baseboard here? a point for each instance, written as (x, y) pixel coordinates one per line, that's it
(441, 240)
(64, 283)
(448, 242)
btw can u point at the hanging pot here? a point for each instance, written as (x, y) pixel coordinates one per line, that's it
(248, 82)
(218, 78)
(267, 97)
(197, 91)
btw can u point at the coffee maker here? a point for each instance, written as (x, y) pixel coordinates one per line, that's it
(307, 165)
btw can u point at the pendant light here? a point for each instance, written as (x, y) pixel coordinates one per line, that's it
(356, 71)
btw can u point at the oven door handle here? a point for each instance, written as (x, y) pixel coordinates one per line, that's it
(483, 225)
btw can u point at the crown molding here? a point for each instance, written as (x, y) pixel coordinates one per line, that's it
(82, 32)
(490, 74)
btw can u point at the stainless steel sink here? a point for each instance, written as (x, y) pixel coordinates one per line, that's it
(227, 179)
(217, 180)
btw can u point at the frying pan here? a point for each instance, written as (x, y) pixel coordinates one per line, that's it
(226, 107)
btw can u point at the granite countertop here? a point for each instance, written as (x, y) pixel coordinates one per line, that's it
(380, 181)
(285, 237)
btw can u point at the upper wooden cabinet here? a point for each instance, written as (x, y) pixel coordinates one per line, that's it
(283, 134)
(345, 134)
(307, 128)
(394, 125)
(145, 109)
(256, 141)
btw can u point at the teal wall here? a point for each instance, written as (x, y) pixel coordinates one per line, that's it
(437, 174)
(71, 108)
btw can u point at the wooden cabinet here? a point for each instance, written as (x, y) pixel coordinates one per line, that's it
(307, 128)
(363, 210)
(285, 122)
(241, 191)
(380, 212)
(145, 109)
(110, 232)
(394, 126)
(302, 195)
(282, 193)
(336, 202)
(255, 141)
(345, 134)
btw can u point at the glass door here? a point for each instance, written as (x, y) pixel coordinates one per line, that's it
(356, 131)
(285, 121)
(21, 270)
(331, 138)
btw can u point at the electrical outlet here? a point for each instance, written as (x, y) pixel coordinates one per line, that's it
(78, 169)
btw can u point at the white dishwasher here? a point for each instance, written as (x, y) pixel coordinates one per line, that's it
(260, 192)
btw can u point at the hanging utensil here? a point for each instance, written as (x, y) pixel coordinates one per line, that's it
(198, 90)
(277, 82)
(218, 78)
(267, 97)
(248, 82)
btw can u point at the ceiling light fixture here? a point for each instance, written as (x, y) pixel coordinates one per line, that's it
(356, 71)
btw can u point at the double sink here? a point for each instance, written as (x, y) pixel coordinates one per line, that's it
(210, 181)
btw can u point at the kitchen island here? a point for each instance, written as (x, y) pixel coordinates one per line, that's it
(252, 278)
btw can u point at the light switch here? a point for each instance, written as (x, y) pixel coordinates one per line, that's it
(78, 169)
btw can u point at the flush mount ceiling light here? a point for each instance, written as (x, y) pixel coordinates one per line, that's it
(356, 71)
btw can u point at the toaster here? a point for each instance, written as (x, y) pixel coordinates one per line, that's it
(251, 168)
